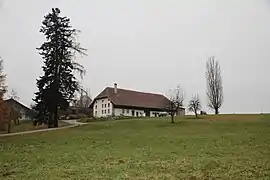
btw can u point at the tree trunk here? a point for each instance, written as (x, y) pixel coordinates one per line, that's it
(216, 111)
(172, 116)
(9, 123)
(196, 114)
(55, 119)
(50, 121)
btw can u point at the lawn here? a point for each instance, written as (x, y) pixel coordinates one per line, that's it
(28, 126)
(224, 147)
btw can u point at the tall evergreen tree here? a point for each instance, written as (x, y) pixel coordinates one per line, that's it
(57, 86)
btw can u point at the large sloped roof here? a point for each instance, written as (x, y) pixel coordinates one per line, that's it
(131, 98)
(10, 101)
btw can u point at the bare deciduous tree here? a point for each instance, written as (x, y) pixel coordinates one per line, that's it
(84, 100)
(14, 95)
(4, 114)
(3, 87)
(214, 84)
(176, 101)
(194, 105)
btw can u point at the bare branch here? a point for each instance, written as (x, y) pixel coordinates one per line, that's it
(84, 100)
(176, 98)
(79, 69)
(3, 87)
(214, 84)
(14, 95)
(194, 104)
(4, 114)
(76, 48)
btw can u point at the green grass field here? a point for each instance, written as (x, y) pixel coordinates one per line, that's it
(223, 147)
(28, 126)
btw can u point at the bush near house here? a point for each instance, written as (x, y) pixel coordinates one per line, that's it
(110, 118)
(76, 113)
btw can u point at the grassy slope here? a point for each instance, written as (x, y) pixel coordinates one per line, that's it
(235, 147)
(28, 126)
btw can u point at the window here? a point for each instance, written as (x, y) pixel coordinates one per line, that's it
(105, 111)
(95, 112)
(96, 106)
(108, 111)
(123, 111)
(132, 112)
(102, 112)
(137, 114)
(102, 100)
(108, 104)
(102, 105)
(127, 111)
(105, 105)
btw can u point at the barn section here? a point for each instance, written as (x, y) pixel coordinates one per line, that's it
(25, 112)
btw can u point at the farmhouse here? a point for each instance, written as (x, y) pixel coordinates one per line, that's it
(123, 102)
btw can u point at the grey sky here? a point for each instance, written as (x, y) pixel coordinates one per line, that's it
(150, 45)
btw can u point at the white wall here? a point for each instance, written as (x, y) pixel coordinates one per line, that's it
(128, 112)
(181, 112)
(105, 110)
(102, 108)
(152, 113)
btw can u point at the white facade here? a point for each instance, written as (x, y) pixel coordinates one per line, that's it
(154, 113)
(128, 112)
(181, 112)
(102, 108)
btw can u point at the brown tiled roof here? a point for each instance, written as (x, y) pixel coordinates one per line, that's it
(130, 98)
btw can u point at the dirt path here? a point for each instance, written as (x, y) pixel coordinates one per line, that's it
(73, 123)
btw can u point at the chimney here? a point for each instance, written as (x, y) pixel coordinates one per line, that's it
(115, 88)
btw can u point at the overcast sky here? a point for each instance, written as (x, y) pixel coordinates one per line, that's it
(150, 45)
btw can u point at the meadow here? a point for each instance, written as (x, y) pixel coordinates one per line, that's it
(212, 147)
(28, 126)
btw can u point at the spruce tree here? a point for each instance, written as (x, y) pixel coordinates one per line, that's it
(58, 84)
